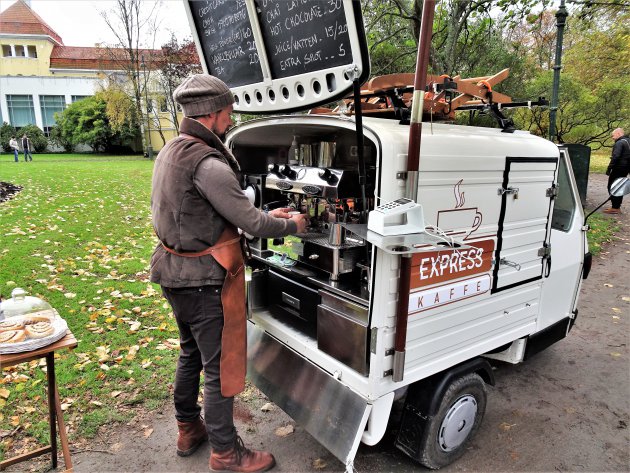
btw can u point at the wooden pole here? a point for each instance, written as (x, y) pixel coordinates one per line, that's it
(413, 164)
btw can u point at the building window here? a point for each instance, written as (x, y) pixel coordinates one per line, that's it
(19, 50)
(21, 110)
(76, 98)
(6, 50)
(163, 104)
(32, 51)
(51, 104)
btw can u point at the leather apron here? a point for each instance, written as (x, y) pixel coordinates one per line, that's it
(228, 252)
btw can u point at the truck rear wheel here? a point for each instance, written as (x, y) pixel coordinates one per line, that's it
(448, 433)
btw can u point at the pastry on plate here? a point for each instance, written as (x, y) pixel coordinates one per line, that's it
(11, 324)
(12, 336)
(39, 330)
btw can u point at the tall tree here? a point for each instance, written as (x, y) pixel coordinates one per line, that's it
(134, 24)
(178, 61)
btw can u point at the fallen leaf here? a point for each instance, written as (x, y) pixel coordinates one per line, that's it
(625, 298)
(615, 354)
(319, 464)
(115, 393)
(147, 433)
(70, 295)
(284, 431)
(505, 426)
(608, 285)
(15, 421)
(267, 407)
(4, 393)
(616, 310)
(96, 403)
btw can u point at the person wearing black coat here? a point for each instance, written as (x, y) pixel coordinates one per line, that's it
(26, 147)
(619, 166)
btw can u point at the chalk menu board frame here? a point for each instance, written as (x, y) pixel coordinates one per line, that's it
(299, 91)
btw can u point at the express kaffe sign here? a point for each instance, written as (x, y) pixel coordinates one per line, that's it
(449, 264)
(465, 271)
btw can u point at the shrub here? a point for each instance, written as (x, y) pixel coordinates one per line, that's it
(39, 142)
(6, 132)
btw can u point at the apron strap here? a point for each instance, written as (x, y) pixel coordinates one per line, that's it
(207, 251)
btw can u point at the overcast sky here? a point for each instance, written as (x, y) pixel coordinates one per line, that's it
(79, 23)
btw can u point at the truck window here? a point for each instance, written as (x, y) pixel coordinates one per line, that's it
(564, 207)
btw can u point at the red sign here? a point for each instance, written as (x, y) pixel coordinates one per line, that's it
(445, 265)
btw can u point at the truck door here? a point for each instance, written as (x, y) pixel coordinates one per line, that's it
(526, 197)
(560, 289)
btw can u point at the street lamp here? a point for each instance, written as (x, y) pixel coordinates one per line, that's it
(561, 20)
(146, 101)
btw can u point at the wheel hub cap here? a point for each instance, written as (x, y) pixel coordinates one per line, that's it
(457, 423)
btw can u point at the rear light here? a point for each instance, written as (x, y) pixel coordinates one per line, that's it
(588, 263)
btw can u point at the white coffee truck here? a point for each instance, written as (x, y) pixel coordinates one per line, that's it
(495, 238)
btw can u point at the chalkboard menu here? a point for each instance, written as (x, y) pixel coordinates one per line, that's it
(226, 38)
(281, 55)
(304, 35)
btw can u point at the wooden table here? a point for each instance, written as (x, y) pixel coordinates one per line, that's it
(54, 405)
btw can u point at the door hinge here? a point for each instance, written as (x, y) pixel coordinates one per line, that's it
(552, 192)
(388, 373)
(508, 190)
(545, 251)
(401, 175)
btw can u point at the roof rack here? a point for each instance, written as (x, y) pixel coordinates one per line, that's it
(390, 96)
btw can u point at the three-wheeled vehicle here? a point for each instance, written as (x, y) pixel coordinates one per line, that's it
(405, 284)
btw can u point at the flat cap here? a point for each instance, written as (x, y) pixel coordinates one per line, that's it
(202, 94)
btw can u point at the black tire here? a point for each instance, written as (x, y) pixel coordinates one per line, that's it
(464, 402)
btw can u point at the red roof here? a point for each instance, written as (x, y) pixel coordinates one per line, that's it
(20, 19)
(112, 59)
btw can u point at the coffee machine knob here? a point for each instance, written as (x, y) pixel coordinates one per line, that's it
(288, 172)
(328, 176)
(274, 169)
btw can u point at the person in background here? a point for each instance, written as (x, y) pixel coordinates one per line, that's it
(197, 205)
(13, 144)
(26, 147)
(619, 166)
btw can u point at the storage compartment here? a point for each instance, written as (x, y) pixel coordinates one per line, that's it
(342, 331)
(293, 302)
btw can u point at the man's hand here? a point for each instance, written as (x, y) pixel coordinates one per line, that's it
(300, 221)
(281, 213)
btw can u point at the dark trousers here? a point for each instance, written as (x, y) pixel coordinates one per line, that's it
(615, 174)
(199, 315)
(27, 155)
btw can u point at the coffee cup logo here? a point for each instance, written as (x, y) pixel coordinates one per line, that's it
(460, 220)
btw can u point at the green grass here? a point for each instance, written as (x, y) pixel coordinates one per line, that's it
(599, 161)
(602, 230)
(79, 235)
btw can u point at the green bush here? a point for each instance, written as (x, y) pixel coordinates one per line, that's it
(6, 132)
(39, 142)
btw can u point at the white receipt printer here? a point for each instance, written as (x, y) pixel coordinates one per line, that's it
(381, 219)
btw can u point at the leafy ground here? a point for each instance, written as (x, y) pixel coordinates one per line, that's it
(79, 235)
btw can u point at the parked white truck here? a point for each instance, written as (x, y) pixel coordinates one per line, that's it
(495, 238)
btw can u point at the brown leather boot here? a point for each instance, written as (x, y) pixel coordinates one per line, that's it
(191, 436)
(241, 459)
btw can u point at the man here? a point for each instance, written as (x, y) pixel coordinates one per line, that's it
(13, 144)
(619, 166)
(26, 147)
(197, 204)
